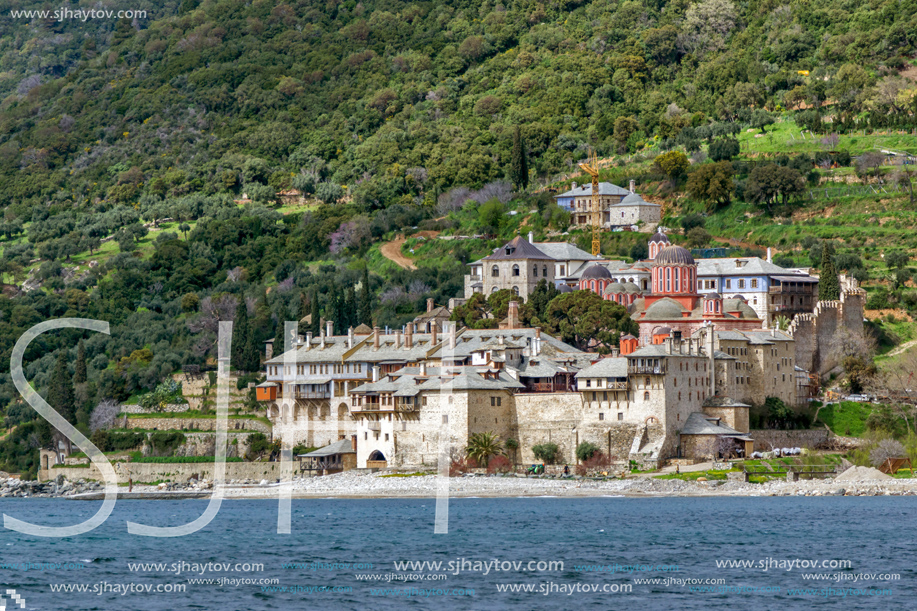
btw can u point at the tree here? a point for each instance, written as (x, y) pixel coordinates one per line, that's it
(587, 321)
(698, 237)
(859, 372)
(887, 448)
(365, 315)
(79, 368)
(329, 192)
(761, 119)
(512, 445)
(690, 221)
(624, 128)
(673, 164)
(897, 259)
(547, 453)
(770, 183)
(60, 391)
(723, 150)
(242, 341)
(538, 301)
(315, 323)
(481, 446)
(829, 287)
(104, 414)
(706, 25)
(586, 450)
(519, 169)
(712, 183)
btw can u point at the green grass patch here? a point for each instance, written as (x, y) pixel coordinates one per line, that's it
(693, 476)
(846, 418)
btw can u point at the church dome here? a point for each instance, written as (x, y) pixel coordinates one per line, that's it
(633, 198)
(563, 288)
(614, 288)
(664, 309)
(712, 296)
(596, 271)
(674, 255)
(659, 237)
(631, 288)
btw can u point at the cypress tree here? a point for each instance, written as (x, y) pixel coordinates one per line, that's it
(366, 306)
(60, 392)
(519, 169)
(316, 324)
(79, 370)
(350, 309)
(240, 337)
(829, 287)
(304, 305)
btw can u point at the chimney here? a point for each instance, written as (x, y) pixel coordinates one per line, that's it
(512, 315)
(774, 332)
(409, 336)
(376, 338)
(323, 341)
(375, 373)
(309, 339)
(398, 339)
(667, 342)
(632, 183)
(452, 335)
(423, 368)
(531, 237)
(536, 345)
(433, 338)
(350, 338)
(500, 340)
(429, 304)
(769, 258)
(615, 352)
(329, 328)
(573, 186)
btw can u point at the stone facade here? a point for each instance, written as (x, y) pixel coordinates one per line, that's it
(145, 473)
(197, 424)
(816, 334)
(768, 439)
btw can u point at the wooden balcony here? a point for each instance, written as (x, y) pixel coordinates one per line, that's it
(646, 369)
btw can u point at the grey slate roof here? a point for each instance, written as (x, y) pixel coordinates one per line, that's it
(699, 424)
(470, 340)
(754, 266)
(520, 249)
(338, 447)
(615, 367)
(605, 188)
(564, 251)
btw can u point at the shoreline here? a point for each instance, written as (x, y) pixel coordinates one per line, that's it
(350, 485)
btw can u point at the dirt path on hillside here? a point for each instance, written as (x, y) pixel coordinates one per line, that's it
(903, 348)
(392, 250)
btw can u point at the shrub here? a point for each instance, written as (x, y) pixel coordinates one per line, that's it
(163, 443)
(586, 450)
(118, 442)
(461, 465)
(887, 448)
(546, 452)
(499, 464)
(597, 462)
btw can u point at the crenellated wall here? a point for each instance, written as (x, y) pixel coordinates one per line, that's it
(815, 333)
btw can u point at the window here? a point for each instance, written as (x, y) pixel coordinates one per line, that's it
(646, 396)
(605, 396)
(445, 418)
(423, 401)
(588, 383)
(515, 270)
(515, 290)
(495, 272)
(601, 416)
(386, 436)
(646, 382)
(728, 284)
(742, 284)
(754, 283)
(366, 436)
(535, 271)
(620, 415)
(563, 270)
(594, 399)
(544, 271)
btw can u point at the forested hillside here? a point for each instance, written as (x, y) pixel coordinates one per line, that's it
(392, 117)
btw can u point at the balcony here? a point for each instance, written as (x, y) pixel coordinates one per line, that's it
(646, 369)
(808, 289)
(374, 425)
(548, 387)
(311, 394)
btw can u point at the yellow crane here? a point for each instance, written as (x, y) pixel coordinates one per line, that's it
(591, 167)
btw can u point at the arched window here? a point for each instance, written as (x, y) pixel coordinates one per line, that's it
(646, 381)
(535, 271)
(494, 272)
(646, 396)
(515, 270)
(515, 290)
(494, 290)
(544, 271)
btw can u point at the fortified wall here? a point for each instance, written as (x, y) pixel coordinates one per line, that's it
(816, 335)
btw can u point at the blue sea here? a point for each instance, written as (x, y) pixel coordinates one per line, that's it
(582, 553)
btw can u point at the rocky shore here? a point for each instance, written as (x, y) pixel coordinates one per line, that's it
(354, 484)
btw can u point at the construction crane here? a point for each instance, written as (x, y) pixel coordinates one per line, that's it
(591, 167)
